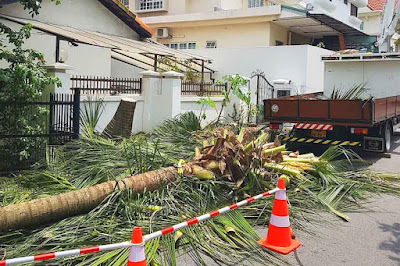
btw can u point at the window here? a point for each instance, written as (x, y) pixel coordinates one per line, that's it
(353, 10)
(192, 45)
(181, 46)
(256, 3)
(283, 93)
(211, 44)
(160, 32)
(151, 4)
(345, 2)
(125, 2)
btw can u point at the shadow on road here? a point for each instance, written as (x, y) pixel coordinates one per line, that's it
(393, 244)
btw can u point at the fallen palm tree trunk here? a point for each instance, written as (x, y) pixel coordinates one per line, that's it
(221, 172)
(42, 211)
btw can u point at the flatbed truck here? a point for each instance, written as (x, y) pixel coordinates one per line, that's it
(356, 124)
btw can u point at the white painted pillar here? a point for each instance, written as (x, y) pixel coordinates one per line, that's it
(171, 91)
(59, 70)
(151, 85)
(162, 97)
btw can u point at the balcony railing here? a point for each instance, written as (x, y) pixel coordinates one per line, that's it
(151, 5)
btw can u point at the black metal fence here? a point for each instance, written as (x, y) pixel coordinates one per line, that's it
(106, 85)
(28, 128)
(203, 88)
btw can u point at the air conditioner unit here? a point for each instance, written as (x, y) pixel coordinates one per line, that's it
(163, 33)
(309, 7)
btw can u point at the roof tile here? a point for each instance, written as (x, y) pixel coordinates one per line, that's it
(376, 4)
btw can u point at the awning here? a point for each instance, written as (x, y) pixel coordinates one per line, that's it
(317, 25)
(337, 25)
(306, 26)
(144, 52)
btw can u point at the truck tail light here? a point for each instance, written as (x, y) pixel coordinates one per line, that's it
(274, 126)
(359, 131)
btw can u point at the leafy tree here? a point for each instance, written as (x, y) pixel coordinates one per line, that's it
(22, 80)
(236, 83)
(25, 76)
(33, 6)
(204, 102)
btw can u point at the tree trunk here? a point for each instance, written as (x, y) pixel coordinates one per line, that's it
(121, 123)
(39, 212)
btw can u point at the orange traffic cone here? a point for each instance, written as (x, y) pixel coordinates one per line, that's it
(137, 256)
(279, 232)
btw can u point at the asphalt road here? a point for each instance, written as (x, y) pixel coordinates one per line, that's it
(372, 237)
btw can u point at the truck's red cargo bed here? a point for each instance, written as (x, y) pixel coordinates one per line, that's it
(334, 112)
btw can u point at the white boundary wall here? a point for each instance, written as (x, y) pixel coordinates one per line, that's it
(111, 104)
(160, 100)
(301, 64)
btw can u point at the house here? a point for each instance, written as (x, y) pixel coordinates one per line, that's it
(371, 16)
(100, 39)
(96, 38)
(211, 24)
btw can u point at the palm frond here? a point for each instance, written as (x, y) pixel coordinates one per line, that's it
(354, 93)
(90, 116)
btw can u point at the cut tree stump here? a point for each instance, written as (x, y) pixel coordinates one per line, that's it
(121, 123)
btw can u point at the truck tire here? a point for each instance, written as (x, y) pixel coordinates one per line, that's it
(387, 137)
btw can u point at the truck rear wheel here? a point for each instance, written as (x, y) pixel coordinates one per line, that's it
(387, 137)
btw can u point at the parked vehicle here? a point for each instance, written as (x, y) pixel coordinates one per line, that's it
(356, 124)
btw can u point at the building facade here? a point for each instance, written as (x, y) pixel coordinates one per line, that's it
(208, 24)
(371, 16)
(95, 38)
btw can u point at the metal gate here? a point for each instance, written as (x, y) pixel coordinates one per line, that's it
(29, 128)
(264, 90)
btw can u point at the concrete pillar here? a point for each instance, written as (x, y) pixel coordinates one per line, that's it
(151, 85)
(59, 70)
(162, 97)
(171, 91)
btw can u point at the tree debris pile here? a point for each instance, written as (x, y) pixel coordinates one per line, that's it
(225, 167)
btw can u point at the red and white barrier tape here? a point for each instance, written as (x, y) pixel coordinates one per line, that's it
(207, 216)
(73, 252)
(167, 230)
(313, 126)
